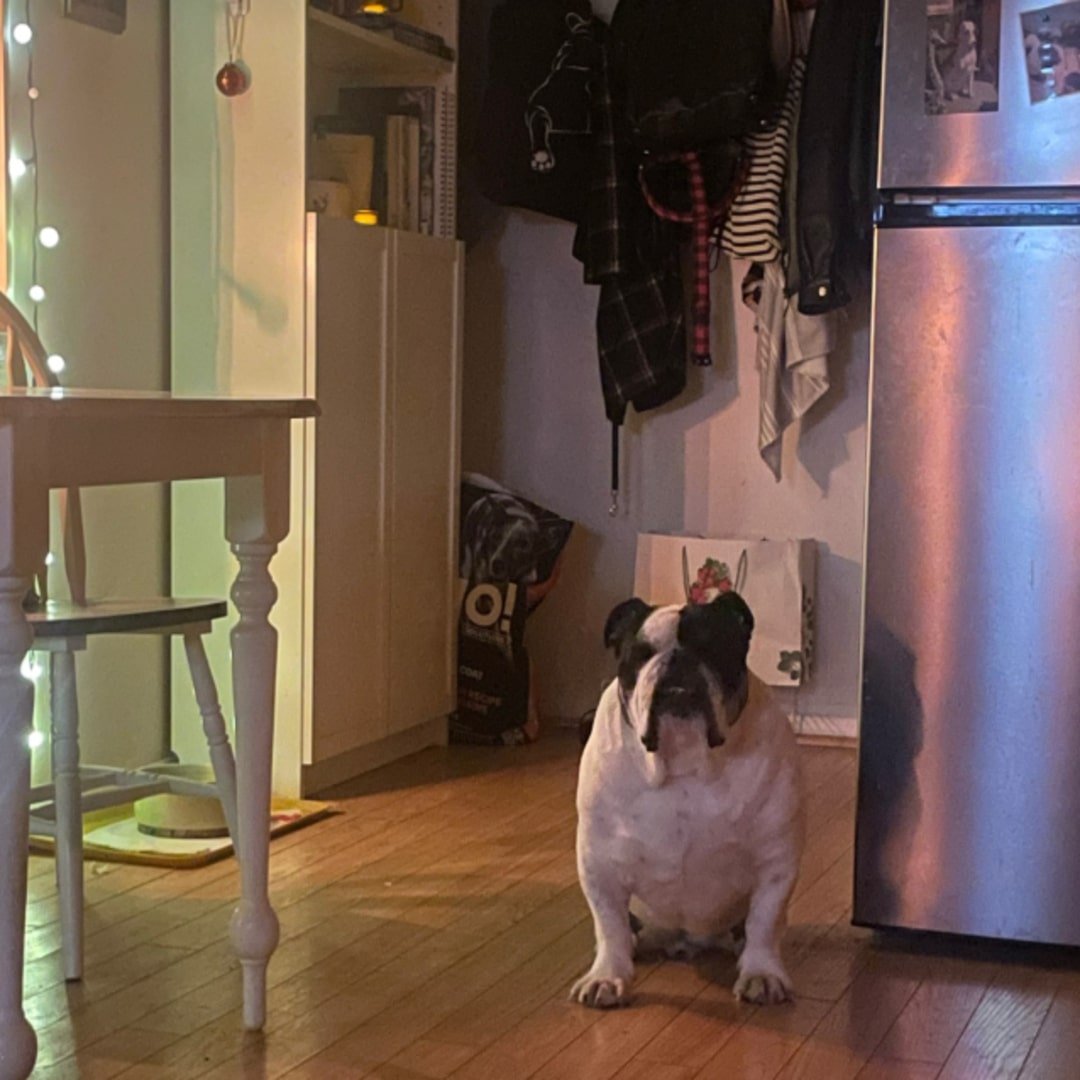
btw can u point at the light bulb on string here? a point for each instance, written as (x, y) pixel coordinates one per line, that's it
(17, 167)
(33, 93)
(49, 237)
(56, 364)
(22, 33)
(36, 293)
(35, 739)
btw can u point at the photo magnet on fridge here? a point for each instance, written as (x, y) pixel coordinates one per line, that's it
(963, 46)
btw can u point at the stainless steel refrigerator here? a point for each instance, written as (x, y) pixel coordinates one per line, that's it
(969, 780)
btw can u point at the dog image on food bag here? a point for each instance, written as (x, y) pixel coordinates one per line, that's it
(689, 800)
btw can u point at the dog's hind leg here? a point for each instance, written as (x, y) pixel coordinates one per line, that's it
(692, 944)
(731, 941)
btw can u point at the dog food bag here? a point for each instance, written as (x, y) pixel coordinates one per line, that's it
(510, 554)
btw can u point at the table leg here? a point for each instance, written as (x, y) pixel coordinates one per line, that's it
(254, 657)
(69, 821)
(18, 1045)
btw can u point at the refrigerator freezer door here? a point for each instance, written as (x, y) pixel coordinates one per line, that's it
(1020, 145)
(969, 778)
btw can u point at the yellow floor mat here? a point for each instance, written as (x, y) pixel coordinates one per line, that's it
(113, 836)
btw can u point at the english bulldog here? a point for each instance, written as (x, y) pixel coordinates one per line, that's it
(689, 799)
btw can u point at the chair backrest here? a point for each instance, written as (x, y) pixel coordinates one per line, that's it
(26, 359)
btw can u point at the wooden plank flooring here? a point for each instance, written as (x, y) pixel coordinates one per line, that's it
(432, 930)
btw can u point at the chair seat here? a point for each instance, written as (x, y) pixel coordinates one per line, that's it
(63, 618)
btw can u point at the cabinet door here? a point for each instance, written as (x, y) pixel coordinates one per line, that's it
(423, 477)
(348, 531)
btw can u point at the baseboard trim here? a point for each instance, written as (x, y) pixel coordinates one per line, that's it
(353, 763)
(826, 730)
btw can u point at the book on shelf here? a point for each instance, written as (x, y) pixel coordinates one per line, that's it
(395, 185)
(367, 108)
(412, 186)
(403, 172)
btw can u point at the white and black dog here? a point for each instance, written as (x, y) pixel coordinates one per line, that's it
(689, 799)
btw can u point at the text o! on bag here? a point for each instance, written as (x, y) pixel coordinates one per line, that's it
(695, 71)
(510, 552)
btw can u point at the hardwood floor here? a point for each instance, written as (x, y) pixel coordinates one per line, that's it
(432, 930)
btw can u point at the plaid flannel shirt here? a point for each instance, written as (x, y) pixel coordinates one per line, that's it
(634, 257)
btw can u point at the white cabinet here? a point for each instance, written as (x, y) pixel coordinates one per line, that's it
(425, 316)
(385, 365)
(268, 300)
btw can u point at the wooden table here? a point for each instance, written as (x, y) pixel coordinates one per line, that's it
(52, 439)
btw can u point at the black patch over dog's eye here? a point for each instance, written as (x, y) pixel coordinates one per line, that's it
(632, 658)
(719, 633)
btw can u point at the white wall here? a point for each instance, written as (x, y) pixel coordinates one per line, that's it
(534, 419)
(103, 170)
(238, 309)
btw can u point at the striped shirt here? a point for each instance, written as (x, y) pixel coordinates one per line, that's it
(751, 229)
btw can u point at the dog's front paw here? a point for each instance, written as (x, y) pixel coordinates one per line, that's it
(601, 991)
(763, 989)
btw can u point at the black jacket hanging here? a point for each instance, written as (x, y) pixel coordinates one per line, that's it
(533, 141)
(835, 153)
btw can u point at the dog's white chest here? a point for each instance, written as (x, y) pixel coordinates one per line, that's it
(679, 849)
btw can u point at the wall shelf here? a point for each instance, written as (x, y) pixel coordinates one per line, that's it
(335, 44)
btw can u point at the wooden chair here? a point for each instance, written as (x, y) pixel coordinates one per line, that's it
(61, 628)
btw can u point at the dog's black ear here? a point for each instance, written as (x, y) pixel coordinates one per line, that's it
(720, 632)
(625, 621)
(732, 604)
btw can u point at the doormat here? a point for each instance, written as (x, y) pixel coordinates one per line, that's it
(113, 836)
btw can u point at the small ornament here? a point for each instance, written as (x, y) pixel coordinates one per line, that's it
(234, 78)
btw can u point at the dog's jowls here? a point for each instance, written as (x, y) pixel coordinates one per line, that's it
(688, 800)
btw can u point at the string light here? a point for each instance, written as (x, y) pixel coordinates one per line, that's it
(47, 237)
(36, 291)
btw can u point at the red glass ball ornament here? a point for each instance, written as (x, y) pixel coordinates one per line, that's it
(232, 80)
